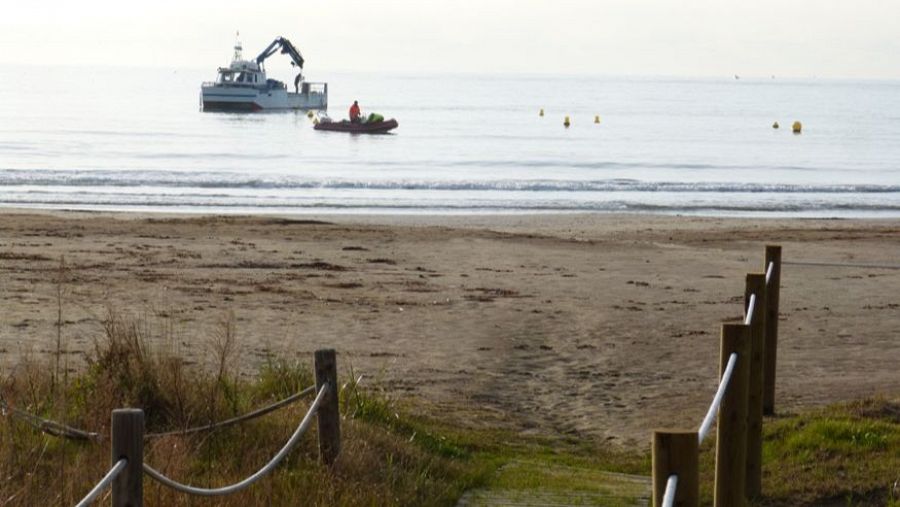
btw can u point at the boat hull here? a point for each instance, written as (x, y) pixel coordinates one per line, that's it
(222, 98)
(380, 127)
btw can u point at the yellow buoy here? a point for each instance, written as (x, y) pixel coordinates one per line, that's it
(542, 113)
(597, 118)
(775, 125)
(309, 114)
(566, 123)
(797, 127)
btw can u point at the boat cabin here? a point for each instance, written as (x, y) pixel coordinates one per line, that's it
(241, 74)
(228, 76)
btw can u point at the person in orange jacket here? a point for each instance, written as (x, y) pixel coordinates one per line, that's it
(354, 112)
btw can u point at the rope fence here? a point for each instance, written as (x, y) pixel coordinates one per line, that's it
(717, 399)
(669, 496)
(104, 483)
(58, 429)
(53, 428)
(843, 265)
(259, 474)
(751, 310)
(745, 392)
(127, 437)
(235, 420)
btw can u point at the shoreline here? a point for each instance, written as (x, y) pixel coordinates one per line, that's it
(431, 218)
(436, 213)
(610, 321)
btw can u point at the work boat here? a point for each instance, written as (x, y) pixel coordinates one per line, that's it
(243, 85)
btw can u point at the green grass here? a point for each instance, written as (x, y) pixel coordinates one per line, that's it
(843, 454)
(839, 436)
(379, 410)
(847, 454)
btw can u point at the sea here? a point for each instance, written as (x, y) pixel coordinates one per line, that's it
(135, 139)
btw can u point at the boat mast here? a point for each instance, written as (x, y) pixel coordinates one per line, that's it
(238, 48)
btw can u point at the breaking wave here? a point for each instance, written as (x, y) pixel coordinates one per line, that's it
(800, 204)
(214, 180)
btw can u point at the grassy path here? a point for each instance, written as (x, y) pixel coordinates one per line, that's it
(532, 483)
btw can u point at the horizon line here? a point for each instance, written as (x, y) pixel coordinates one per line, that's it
(490, 73)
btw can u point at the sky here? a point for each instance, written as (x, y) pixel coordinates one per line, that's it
(785, 38)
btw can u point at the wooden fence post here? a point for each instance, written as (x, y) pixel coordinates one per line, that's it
(128, 443)
(773, 290)
(756, 284)
(731, 429)
(676, 452)
(328, 416)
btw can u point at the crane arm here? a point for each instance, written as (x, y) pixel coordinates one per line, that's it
(286, 48)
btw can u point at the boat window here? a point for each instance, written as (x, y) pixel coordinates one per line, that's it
(226, 77)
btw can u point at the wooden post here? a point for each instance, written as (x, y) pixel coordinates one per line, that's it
(756, 284)
(128, 443)
(731, 429)
(773, 290)
(329, 417)
(676, 452)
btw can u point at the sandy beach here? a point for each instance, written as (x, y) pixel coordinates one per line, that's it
(602, 326)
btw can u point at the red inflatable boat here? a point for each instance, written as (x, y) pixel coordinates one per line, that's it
(378, 127)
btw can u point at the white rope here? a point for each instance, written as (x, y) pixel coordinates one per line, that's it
(842, 265)
(717, 400)
(56, 429)
(268, 467)
(769, 270)
(103, 484)
(234, 420)
(751, 309)
(668, 499)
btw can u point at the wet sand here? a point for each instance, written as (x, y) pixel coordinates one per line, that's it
(601, 326)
